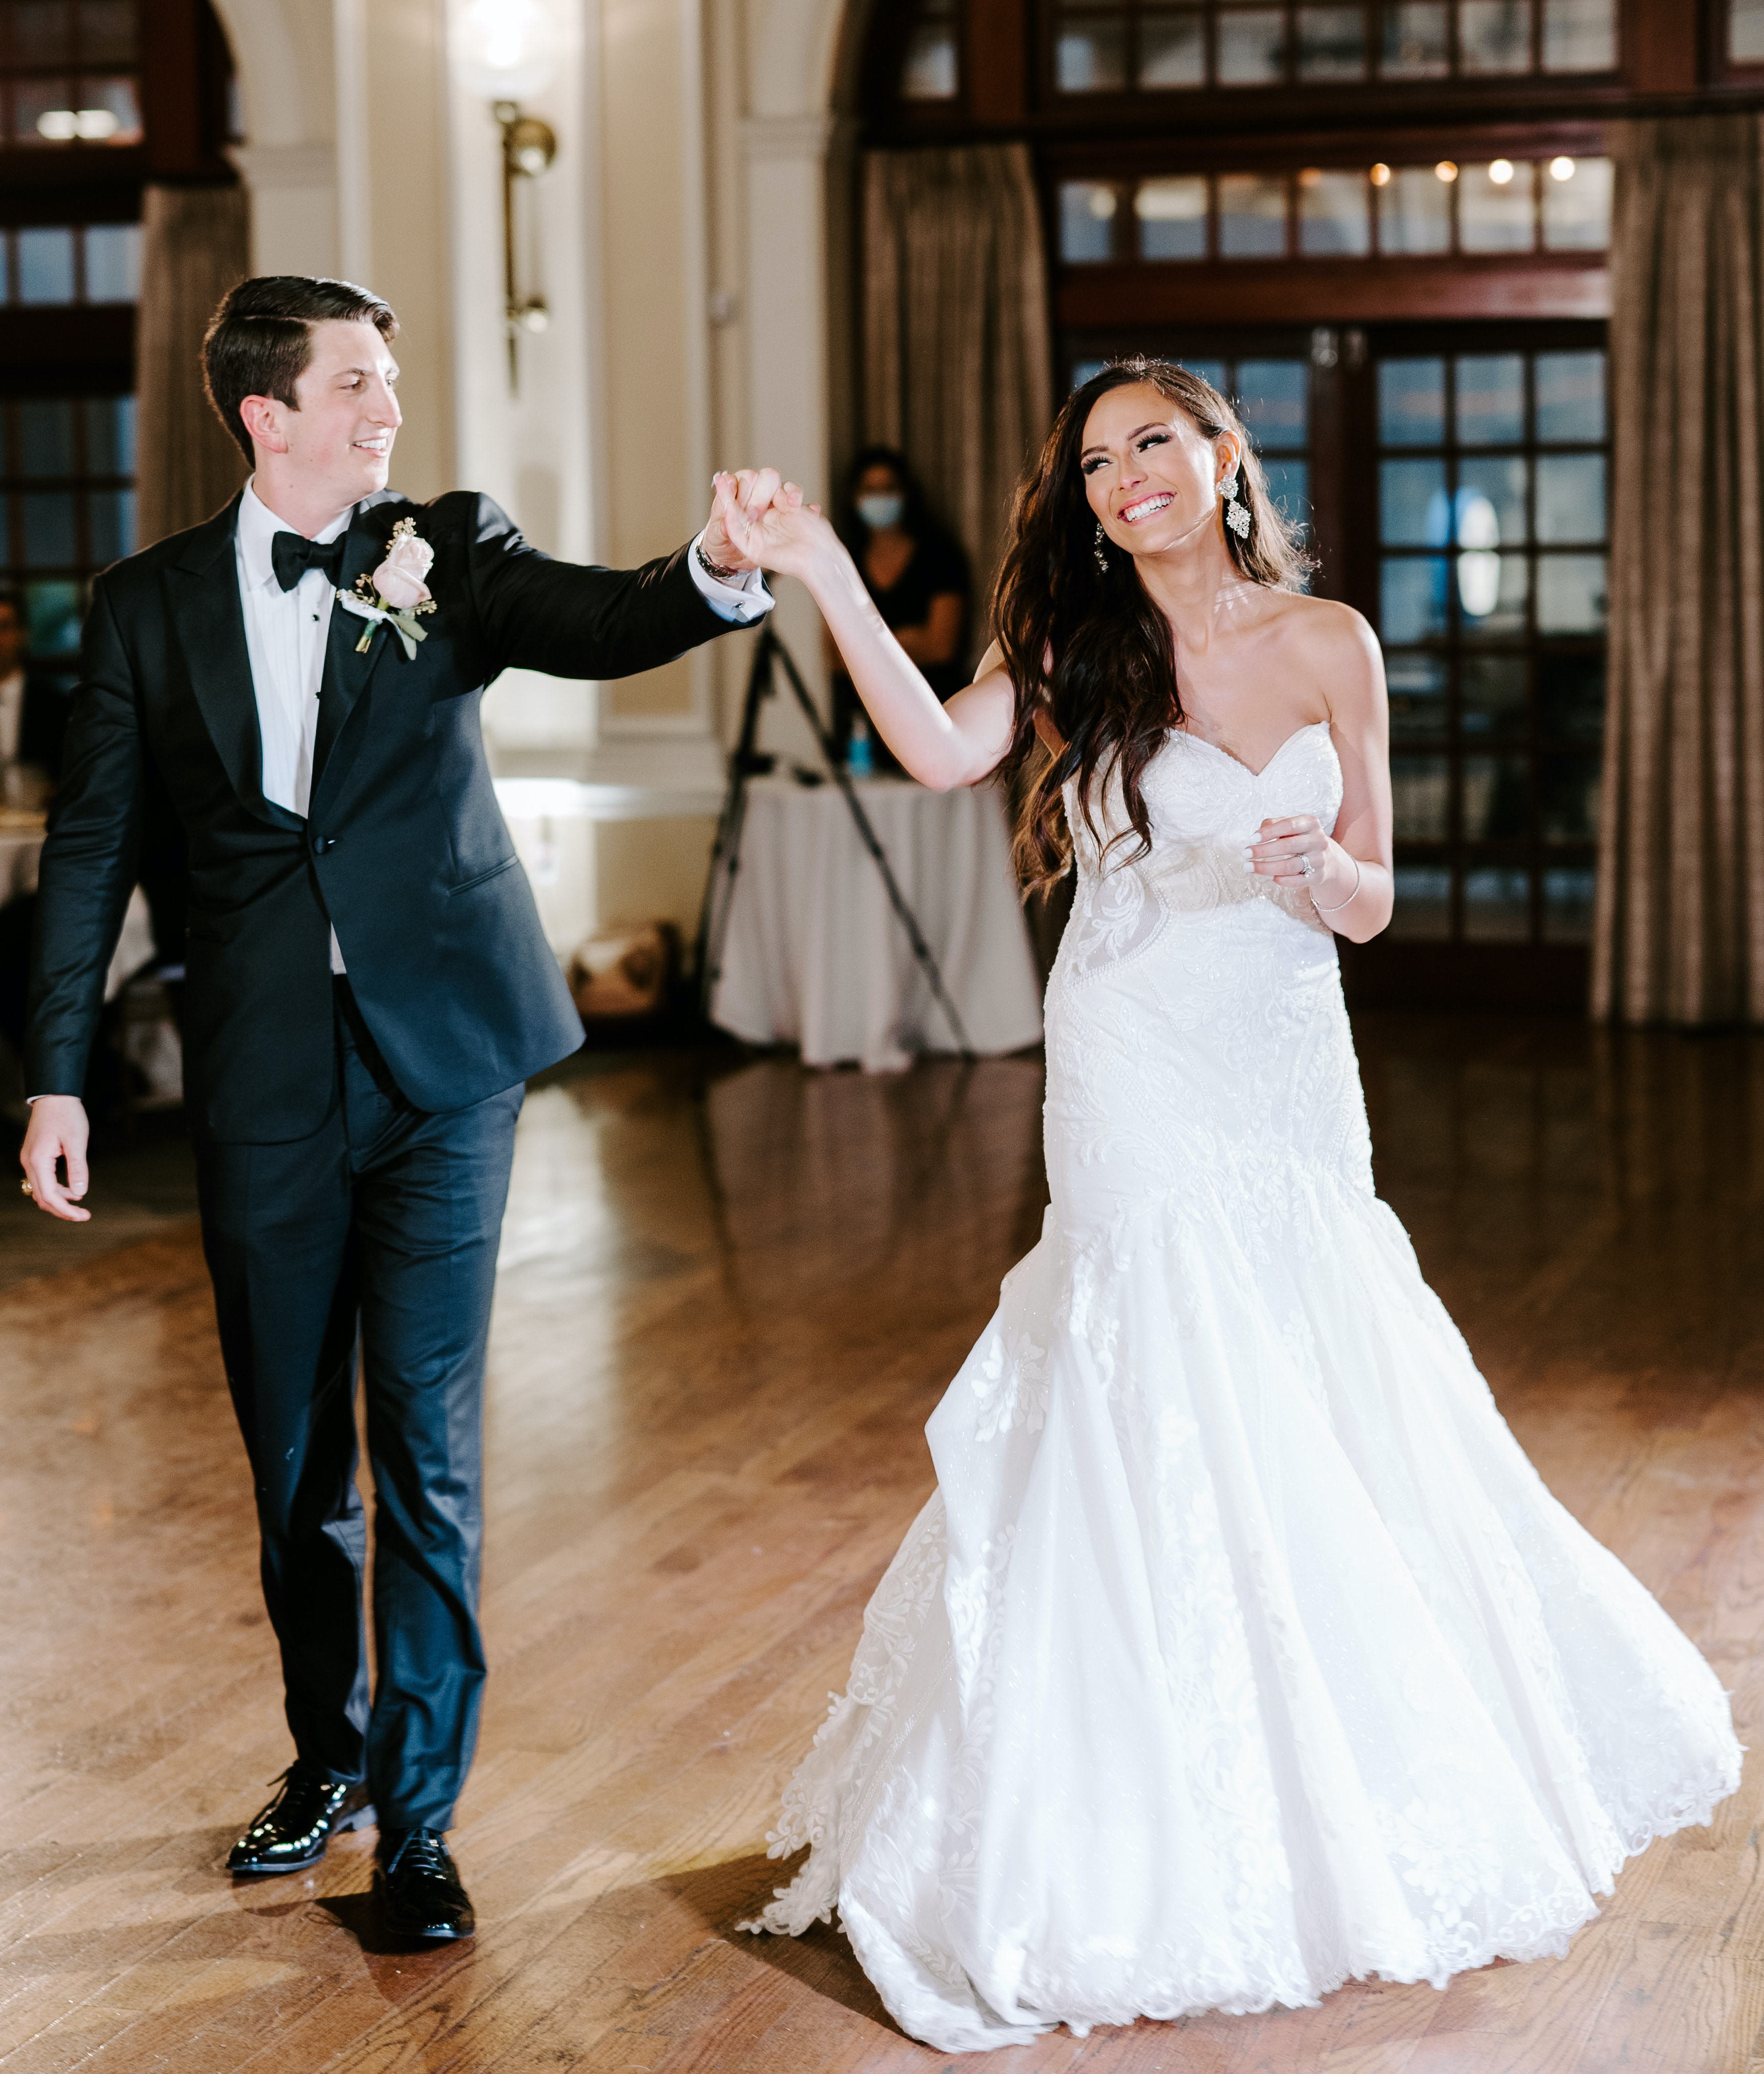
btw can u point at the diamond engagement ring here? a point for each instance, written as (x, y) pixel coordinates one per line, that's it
(1306, 865)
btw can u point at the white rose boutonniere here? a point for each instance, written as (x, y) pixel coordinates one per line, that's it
(395, 593)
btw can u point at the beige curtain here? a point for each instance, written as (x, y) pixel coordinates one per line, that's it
(195, 245)
(956, 351)
(1680, 931)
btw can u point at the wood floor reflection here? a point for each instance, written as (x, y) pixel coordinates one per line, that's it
(731, 1294)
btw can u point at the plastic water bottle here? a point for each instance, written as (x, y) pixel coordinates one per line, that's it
(860, 761)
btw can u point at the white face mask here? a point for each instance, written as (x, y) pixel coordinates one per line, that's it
(882, 509)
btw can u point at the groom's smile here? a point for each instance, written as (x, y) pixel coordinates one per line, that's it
(333, 445)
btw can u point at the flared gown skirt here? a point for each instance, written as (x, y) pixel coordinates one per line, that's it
(1241, 1650)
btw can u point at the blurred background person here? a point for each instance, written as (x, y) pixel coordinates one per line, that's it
(914, 569)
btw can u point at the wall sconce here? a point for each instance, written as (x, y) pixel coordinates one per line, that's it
(507, 49)
(529, 146)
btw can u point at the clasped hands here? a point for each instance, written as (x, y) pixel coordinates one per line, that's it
(760, 521)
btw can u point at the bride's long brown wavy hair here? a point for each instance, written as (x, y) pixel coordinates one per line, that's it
(1112, 691)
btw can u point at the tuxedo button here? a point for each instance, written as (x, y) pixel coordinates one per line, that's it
(321, 844)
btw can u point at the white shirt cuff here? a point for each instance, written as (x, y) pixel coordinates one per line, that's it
(741, 602)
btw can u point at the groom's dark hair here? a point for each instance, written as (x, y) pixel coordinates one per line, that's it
(259, 342)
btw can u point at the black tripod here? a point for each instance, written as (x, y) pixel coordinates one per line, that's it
(725, 858)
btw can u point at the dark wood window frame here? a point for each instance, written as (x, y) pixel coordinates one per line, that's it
(79, 352)
(1380, 287)
(1133, 15)
(1380, 246)
(1342, 458)
(27, 76)
(1743, 74)
(1550, 742)
(1347, 306)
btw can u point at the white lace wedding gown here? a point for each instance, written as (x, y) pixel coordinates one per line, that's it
(1240, 1651)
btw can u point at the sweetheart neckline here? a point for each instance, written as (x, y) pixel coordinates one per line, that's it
(1309, 727)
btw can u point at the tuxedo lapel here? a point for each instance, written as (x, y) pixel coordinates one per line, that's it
(347, 670)
(204, 584)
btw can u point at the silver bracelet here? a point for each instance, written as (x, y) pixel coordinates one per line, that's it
(1353, 896)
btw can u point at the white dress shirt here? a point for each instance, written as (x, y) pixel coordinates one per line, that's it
(740, 602)
(286, 632)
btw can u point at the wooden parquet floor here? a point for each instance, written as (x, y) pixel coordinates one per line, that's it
(731, 1296)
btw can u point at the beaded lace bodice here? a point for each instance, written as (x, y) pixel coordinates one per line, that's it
(1204, 807)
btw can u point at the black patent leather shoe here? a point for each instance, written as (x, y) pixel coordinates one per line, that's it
(291, 1834)
(418, 1887)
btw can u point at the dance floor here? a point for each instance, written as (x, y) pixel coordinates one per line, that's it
(731, 1294)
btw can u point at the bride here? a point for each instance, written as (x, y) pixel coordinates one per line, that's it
(1240, 1651)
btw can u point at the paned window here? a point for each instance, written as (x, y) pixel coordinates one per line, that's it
(66, 507)
(1154, 46)
(931, 66)
(1502, 206)
(69, 72)
(1745, 32)
(1271, 393)
(52, 265)
(1492, 498)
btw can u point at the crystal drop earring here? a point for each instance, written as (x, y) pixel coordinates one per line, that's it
(1237, 515)
(1101, 551)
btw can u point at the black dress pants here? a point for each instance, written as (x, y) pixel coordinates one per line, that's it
(385, 1222)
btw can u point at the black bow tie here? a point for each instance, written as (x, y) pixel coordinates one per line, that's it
(290, 557)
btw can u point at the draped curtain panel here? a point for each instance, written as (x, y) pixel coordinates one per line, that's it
(956, 350)
(1679, 935)
(195, 245)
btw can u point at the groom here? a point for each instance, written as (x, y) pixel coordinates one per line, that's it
(369, 987)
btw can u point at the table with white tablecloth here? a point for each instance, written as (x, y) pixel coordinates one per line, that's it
(814, 954)
(21, 845)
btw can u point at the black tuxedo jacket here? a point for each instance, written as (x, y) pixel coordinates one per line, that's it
(404, 850)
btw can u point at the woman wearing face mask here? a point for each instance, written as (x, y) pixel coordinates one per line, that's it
(916, 573)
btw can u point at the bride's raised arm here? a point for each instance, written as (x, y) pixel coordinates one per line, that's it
(942, 745)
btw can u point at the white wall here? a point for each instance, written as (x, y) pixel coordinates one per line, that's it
(534, 448)
(283, 54)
